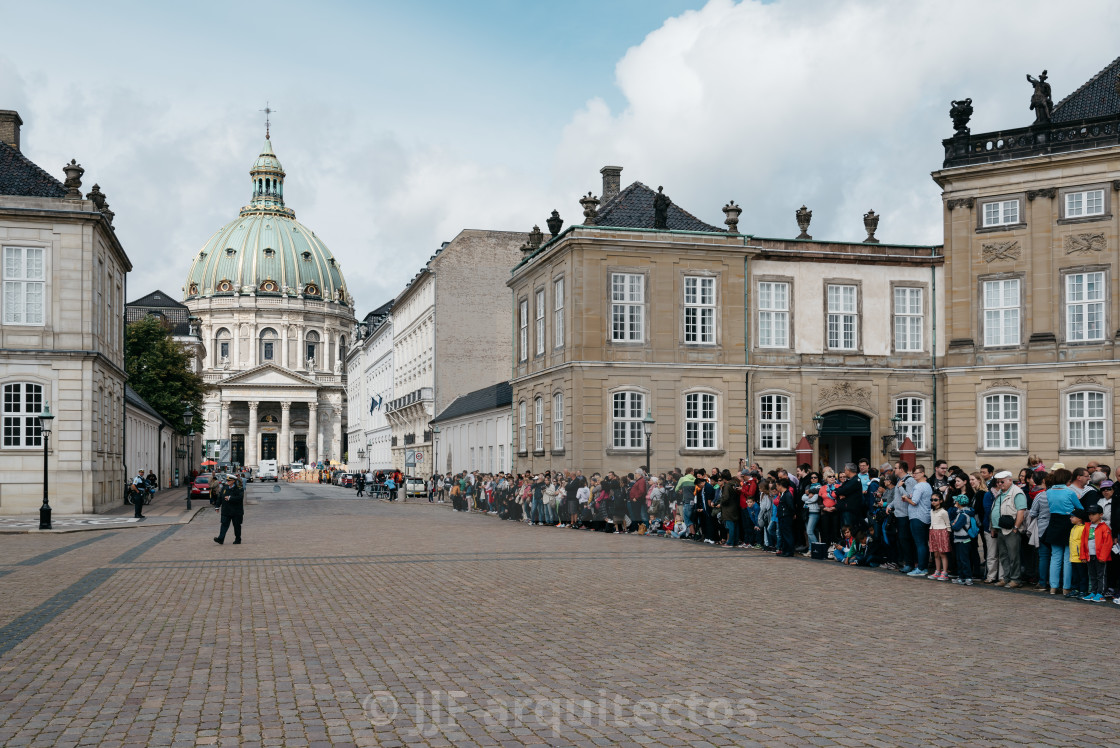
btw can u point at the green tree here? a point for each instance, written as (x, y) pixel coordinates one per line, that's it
(160, 371)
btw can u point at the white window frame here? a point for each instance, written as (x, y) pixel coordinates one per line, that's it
(700, 310)
(843, 321)
(523, 324)
(25, 286)
(1084, 203)
(21, 427)
(912, 411)
(773, 314)
(1085, 299)
(1000, 213)
(1001, 318)
(626, 429)
(1087, 414)
(1003, 432)
(558, 313)
(539, 327)
(538, 424)
(627, 307)
(774, 422)
(701, 421)
(909, 318)
(501, 458)
(522, 445)
(557, 421)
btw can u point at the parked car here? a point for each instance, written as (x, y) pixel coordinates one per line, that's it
(247, 474)
(346, 480)
(200, 489)
(415, 487)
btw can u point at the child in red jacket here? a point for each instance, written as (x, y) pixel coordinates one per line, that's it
(1096, 548)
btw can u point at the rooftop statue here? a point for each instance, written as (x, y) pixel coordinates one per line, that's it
(961, 113)
(1041, 102)
(661, 203)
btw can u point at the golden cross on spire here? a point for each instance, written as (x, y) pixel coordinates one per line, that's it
(267, 125)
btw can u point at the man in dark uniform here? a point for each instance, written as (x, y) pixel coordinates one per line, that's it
(233, 510)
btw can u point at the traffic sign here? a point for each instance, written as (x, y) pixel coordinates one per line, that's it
(419, 457)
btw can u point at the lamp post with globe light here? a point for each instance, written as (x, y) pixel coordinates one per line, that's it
(45, 419)
(188, 419)
(647, 428)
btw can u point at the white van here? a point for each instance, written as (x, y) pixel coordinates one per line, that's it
(267, 471)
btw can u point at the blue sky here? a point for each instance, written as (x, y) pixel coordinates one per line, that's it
(400, 124)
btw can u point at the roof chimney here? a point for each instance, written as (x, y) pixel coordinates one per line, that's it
(612, 182)
(9, 127)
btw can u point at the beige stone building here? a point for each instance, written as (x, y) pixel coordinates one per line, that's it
(61, 336)
(450, 336)
(1032, 231)
(731, 343)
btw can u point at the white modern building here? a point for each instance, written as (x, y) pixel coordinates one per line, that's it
(275, 316)
(61, 337)
(473, 433)
(369, 390)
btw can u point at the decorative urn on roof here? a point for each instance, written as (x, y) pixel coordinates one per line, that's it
(732, 211)
(804, 216)
(554, 223)
(871, 223)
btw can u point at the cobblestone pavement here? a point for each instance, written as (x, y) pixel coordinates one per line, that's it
(169, 507)
(358, 622)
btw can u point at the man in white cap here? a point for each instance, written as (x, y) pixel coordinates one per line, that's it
(1009, 512)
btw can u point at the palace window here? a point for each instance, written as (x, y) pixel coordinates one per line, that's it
(558, 312)
(1084, 204)
(25, 286)
(1085, 420)
(540, 322)
(1001, 422)
(627, 306)
(23, 402)
(1001, 212)
(842, 318)
(627, 411)
(773, 422)
(1084, 306)
(773, 315)
(908, 319)
(1001, 312)
(268, 344)
(523, 329)
(558, 421)
(699, 421)
(538, 424)
(521, 447)
(699, 310)
(912, 411)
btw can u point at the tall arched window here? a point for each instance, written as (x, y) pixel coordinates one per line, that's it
(311, 354)
(23, 402)
(269, 346)
(221, 346)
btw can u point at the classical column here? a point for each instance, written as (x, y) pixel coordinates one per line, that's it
(313, 433)
(251, 439)
(300, 362)
(336, 442)
(284, 453)
(284, 346)
(319, 438)
(223, 424)
(235, 362)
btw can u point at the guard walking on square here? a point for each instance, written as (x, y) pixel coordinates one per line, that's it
(233, 510)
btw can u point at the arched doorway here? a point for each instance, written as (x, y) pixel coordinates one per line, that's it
(845, 436)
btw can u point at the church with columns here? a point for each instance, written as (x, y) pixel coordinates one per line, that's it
(274, 317)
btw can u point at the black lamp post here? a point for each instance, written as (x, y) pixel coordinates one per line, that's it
(188, 419)
(647, 429)
(45, 419)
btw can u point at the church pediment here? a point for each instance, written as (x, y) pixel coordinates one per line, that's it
(269, 375)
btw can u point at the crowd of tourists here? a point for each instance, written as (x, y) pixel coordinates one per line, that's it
(1048, 529)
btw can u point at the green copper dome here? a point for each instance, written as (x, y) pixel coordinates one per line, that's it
(266, 251)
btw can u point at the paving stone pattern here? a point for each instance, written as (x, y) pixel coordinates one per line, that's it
(362, 622)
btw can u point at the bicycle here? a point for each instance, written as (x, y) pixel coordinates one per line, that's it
(128, 492)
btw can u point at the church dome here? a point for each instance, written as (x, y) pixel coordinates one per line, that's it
(265, 251)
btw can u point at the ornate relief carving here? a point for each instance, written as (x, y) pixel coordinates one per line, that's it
(1085, 379)
(1116, 184)
(960, 202)
(847, 392)
(994, 251)
(1049, 192)
(1000, 383)
(1085, 243)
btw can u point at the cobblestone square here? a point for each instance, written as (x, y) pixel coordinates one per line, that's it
(342, 621)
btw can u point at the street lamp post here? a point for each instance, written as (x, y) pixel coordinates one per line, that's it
(188, 419)
(435, 448)
(45, 419)
(647, 428)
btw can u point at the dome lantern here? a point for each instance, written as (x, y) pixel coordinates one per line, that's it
(267, 177)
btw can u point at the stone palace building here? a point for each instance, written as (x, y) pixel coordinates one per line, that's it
(275, 317)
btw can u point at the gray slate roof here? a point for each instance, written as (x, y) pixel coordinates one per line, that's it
(142, 404)
(633, 208)
(159, 303)
(20, 176)
(495, 396)
(1096, 98)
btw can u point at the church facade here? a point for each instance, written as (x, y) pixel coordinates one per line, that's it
(275, 318)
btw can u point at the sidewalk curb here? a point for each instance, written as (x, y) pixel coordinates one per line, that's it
(185, 518)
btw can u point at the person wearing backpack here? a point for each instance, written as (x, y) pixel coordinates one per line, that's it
(965, 530)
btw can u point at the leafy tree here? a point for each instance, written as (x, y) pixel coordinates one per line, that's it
(159, 369)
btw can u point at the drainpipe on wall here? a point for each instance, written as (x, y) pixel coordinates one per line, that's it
(933, 358)
(747, 350)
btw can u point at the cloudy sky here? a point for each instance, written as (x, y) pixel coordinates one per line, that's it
(400, 124)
